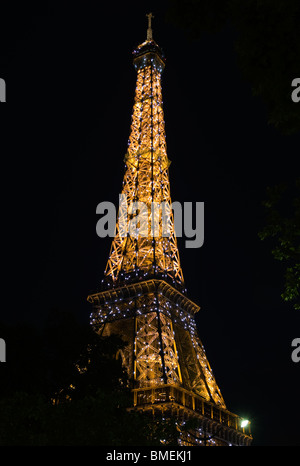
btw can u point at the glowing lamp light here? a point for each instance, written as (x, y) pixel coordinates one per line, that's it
(244, 423)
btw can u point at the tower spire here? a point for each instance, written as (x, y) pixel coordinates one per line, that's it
(149, 30)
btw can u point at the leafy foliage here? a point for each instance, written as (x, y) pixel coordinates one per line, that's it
(42, 366)
(283, 229)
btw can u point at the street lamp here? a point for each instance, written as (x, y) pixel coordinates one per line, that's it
(244, 422)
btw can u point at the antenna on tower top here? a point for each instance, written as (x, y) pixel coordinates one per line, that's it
(149, 30)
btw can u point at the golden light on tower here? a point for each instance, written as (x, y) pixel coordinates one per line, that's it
(146, 178)
(143, 296)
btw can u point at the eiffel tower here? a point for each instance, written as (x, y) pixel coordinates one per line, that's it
(143, 296)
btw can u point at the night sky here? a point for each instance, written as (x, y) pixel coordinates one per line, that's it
(64, 133)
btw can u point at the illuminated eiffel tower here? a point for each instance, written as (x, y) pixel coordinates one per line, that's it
(143, 296)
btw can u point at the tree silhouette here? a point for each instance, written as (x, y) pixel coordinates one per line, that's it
(283, 230)
(267, 42)
(65, 385)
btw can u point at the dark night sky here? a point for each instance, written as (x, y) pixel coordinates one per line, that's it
(70, 89)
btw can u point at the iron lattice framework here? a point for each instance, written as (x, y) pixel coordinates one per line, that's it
(146, 183)
(142, 296)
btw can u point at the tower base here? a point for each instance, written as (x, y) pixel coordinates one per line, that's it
(165, 359)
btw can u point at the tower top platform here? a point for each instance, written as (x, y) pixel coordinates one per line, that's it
(149, 52)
